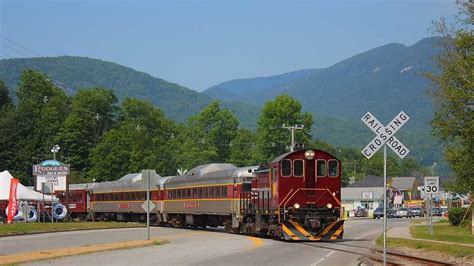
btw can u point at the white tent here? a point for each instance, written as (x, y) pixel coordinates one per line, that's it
(23, 193)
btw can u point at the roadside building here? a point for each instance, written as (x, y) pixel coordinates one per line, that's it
(366, 193)
(409, 188)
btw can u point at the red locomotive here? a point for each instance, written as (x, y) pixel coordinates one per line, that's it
(295, 197)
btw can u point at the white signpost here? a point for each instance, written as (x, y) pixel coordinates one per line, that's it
(149, 177)
(431, 188)
(385, 136)
(431, 185)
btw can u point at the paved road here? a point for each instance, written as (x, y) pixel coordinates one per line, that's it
(197, 247)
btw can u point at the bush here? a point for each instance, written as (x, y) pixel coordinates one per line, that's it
(455, 216)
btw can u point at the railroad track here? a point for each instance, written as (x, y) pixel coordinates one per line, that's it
(376, 254)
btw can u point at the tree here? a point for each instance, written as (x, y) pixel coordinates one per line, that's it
(219, 127)
(207, 138)
(42, 108)
(374, 166)
(454, 97)
(141, 141)
(4, 95)
(272, 139)
(93, 112)
(242, 152)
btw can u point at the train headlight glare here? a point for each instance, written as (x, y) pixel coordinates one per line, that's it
(309, 154)
(329, 205)
(296, 205)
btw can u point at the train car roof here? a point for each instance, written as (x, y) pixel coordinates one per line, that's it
(132, 181)
(281, 157)
(205, 169)
(212, 177)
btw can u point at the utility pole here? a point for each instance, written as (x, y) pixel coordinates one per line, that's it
(292, 129)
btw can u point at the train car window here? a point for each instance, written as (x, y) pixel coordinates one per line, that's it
(188, 193)
(195, 192)
(286, 167)
(333, 167)
(298, 168)
(224, 192)
(320, 168)
(199, 192)
(217, 192)
(211, 192)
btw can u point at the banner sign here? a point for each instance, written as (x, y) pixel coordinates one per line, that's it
(60, 170)
(12, 202)
(59, 182)
(367, 194)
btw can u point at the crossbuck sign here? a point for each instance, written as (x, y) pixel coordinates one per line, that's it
(385, 135)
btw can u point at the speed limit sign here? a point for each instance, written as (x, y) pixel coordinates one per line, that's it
(431, 184)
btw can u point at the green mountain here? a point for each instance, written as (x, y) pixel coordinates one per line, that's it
(73, 73)
(383, 80)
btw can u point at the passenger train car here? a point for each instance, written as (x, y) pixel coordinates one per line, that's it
(294, 197)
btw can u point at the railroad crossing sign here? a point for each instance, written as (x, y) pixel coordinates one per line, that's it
(431, 185)
(385, 135)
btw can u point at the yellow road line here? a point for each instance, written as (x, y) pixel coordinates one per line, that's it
(257, 242)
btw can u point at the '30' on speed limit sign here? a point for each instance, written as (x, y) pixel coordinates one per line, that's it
(431, 184)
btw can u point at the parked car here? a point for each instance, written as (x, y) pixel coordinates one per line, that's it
(360, 212)
(444, 211)
(436, 212)
(403, 212)
(378, 212)
(417, 211)
(392, 213)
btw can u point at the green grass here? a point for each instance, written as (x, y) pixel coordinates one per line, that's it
(29, 228)
(443, 232)
(452, 249)
(418, 220)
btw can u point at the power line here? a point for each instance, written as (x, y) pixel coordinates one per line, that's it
(6, 45)
(12, 41)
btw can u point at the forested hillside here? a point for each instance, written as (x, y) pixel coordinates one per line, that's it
(73, 73)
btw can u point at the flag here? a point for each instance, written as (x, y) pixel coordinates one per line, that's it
(12, 202)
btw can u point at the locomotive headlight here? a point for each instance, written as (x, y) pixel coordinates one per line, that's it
(329, 205)
(309, 154)
(296, 205)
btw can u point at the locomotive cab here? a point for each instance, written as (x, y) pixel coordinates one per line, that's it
(307, 190)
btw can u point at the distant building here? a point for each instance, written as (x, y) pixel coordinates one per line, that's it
(367, 193)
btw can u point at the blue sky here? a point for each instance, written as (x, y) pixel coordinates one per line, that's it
(198, 44)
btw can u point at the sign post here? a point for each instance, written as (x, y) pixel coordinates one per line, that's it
(385, 136)
(147, 176)
(431, 187)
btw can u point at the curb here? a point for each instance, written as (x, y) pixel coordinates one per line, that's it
(72, 230)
